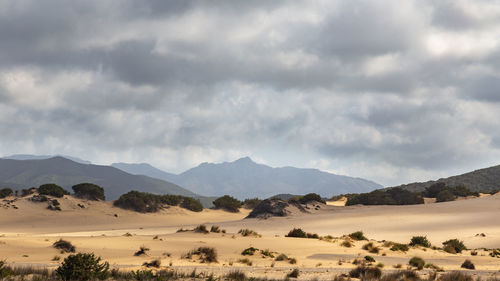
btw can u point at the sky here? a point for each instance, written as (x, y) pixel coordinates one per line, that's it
(394, 91)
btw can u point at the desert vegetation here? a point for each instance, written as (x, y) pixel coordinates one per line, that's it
(89, 191)
(393, 196)
(4, 192)
(299, 233)
(204, 254)
(64, 246)
(149, 203)
(228, 203)
(52, 189)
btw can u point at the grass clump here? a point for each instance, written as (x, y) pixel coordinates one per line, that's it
(154, 263)
(248, 233)
(346, 243)
(455, 276)
(468, 265)
(420, 241)
(417, 262)
(299, 233)
(370, 247)
(245, 261)
(142, 251)
(369, 259)
(83, 267)
(267, 253)
(358, 236)
(249, 251)
(64, 245)
(201, 229)
(366, 273)
(205, 254)
(236, 276)
(399, 247)
(228, 203)
(454, 246)
(215, 229)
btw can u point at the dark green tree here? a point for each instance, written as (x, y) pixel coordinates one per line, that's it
(89, 191)
(52, 189)
(83, 267)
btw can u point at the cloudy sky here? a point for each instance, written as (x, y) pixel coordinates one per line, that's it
(393, 91)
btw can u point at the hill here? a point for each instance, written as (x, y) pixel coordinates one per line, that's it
(41, 157)
(487, 179)
(244, 178)
(66, 173)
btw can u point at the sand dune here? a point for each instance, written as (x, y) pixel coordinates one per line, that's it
(29, 231)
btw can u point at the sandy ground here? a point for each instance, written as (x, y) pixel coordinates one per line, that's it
(28, 230)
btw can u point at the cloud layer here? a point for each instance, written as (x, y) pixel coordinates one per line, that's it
(394, 91)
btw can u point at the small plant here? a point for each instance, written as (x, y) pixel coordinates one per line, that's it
(201, 229)
(249, 251)
(248, 232)
(154, 263)
(142, 251)
(83, 267)
(371, 248)
(294, 273)
(468, 265)
(215, 229)
(369, 259)
(366, 273)
(358, 235)
(420, 241)
(206, 254)
(400, 247)
(64, 245)
(380, 265)
(5, 271)
(454, 246)
(417, 262)
(267, 253)
(236, 276)
(346, 243)
(245, 261)
(455, 276)
(299, 233)
(281, 257)
(292, 260)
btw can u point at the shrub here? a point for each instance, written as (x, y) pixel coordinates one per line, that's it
(417, 262)
(52, 190)
(454, 246)
(142, 251)
(433, 267)
(215, 229)
(83, 267)
(294, 273)
(191, 204)
(445, 196)
(369, 259)
(206, 254)
(4, 192)
(455, 276)
(251, 203)
(201, 229)
(299, 233)
(154, 263)
(89, 191)
(468, 265)
(249, 251)
(64, 245)
(371, 248)
(393, 196)
(248, 232)
(5, 271)
(236, 276)
(358, 235)
(400, 247)
(420, 241)
(311, 197)
(138, 201)
(227, 203)
(171, 200)
(364, 272)
(267, 253)
(281, 257)
(402, 275)
(245, 261)
(346, 243)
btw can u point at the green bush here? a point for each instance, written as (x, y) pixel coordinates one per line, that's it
(445, 196)
(171, 200)
(358, 235)
(191, 204)
(52, 190)
(370, 247)
(393, 196)
(206, 254)
(251, 203)
(417, 262)
(83, 267)
(299, 233)
(227, 203)
(366, 273)
(311, 197)
(139, 201)
(4, 192)
(454, 246)
(64, 245)
(5, 271)
(249, 251)
(369, 259)
(468, 265)
(420, 241)
(400, 247)
(89, 191)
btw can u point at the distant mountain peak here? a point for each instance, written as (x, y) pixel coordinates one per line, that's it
(245, 159)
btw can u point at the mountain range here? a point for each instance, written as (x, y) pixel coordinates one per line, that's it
(19, 174)
(244, 178)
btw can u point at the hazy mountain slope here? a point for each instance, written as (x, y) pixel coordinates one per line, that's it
(41, 157)
(28, 173)
(479, 180)
(244, 178)
(144, 169)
